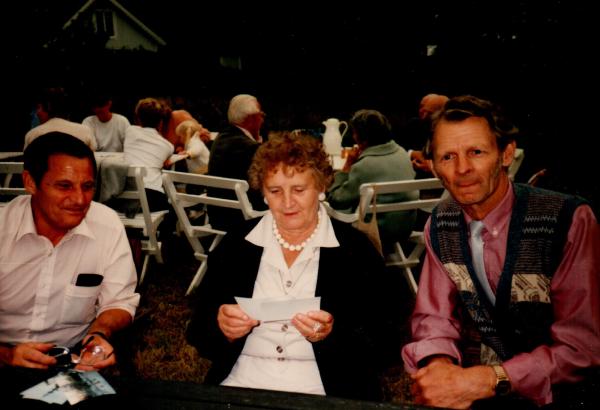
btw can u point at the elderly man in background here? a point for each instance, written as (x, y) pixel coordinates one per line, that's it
(66, 270)
(231, 154)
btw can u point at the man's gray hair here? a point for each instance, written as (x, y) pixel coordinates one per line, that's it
(241, 107)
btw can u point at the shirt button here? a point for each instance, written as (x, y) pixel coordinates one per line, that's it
(280, 359)
(288, 283)
(279, 349)
(284, 327)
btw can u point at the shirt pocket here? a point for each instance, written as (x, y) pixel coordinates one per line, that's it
(79, 305)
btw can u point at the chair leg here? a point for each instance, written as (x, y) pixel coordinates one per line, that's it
(158, 254)
(412, 284)
(144, 267)
(197, 278)
(405, 264)
(408, 275)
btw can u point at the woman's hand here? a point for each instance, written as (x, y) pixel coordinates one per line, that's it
(234, 323)
(315, 325)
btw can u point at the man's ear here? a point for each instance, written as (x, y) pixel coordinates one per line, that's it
(28, 182)
(508, 155)
(430, 164)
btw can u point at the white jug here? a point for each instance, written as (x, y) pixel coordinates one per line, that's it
(332, 138)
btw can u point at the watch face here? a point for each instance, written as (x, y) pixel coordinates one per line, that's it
(503, 388)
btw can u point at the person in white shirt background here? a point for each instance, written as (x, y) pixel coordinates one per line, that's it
(108, 127)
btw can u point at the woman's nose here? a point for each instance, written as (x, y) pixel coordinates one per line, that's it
(288, 199)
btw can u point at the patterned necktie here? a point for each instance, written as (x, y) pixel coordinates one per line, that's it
(477, 254)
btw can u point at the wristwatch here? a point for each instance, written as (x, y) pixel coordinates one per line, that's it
(502, 381)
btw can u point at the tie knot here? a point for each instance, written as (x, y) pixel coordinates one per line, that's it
(476, 228)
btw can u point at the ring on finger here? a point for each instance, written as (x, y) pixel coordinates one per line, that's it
(316, 327)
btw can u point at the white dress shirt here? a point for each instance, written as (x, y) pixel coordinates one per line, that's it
(147, 148)
(39, 299)
(276, 356)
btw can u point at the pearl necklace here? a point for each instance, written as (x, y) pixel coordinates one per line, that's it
(300, 246)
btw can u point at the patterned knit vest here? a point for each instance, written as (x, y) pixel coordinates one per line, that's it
(522, 316)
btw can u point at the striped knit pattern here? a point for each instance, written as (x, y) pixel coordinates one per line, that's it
(521, 319)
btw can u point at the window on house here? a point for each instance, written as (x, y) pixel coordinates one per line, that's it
(104, 22)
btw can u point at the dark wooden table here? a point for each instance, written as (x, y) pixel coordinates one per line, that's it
(137, 394)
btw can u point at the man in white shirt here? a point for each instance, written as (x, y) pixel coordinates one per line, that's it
(108, 127)
(66, 270)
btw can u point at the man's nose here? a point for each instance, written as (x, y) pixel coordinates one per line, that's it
(78, 196)
(463, 164)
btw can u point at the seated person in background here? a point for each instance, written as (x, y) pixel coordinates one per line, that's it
(66, 270)
(193, 136)
(231, 154)
(377, 159)
(108, 127)
(169, 126)
(145, 146)
(516, 318)
(53, 113)
(419, 129)
(293, 252)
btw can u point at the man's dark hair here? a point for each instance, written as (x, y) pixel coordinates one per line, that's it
(460, 108)
(371, 127)
(40, 149)
(55, 102)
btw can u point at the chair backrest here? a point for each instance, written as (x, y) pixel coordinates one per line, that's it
(240, 187)
(181, 200)
(516, 164)
(8, 169)
(393, 187)
(427, 201)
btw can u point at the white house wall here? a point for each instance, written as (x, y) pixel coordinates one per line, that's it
(127, 37)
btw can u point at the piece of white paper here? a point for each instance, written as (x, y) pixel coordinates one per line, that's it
(271, 309)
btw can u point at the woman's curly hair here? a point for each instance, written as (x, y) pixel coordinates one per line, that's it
(297, 151)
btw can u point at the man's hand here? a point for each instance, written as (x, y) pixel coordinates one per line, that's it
(234, 323)
(29, 354)
(97, 353)
(444, 384)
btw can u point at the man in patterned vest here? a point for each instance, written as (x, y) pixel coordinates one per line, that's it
(507, 316)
